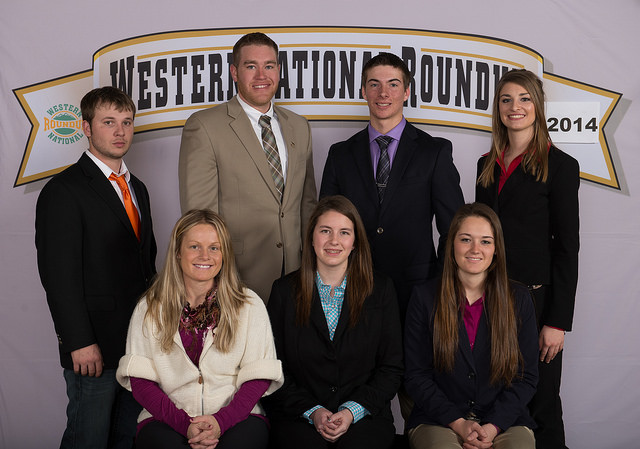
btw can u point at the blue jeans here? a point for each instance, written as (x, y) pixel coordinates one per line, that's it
(101, 414)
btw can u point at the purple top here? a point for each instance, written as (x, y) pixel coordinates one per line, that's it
(156, 401)
(396, 133)
(471, 316)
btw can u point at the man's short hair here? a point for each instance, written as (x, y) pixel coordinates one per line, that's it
(385, 58)
(252, 39)
(105, 96)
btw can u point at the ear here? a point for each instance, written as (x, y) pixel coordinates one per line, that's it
(234, 72)
(86, 128)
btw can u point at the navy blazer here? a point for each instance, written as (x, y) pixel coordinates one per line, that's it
(441, 397)
(540, 222)
(92, 266)
(423, 183)
(361, 364)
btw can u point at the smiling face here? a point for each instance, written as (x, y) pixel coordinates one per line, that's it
(257, 73)
(110, 134)
(517, 111)
(200, 256)
(385, 93)
(474, 247)
(333, 241)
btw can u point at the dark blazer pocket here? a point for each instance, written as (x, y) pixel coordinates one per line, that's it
(97, 303)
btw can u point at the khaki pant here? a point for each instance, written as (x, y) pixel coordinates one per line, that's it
(427, 436)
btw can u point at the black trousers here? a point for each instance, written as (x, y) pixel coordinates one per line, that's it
(252, 433)
(370, 433)
(546, 406)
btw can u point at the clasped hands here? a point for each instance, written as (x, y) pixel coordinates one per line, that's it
(203, 432)
(331, 426)
(474, 435)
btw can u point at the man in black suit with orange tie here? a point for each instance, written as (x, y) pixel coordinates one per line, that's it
(96, 257)
(398, 177)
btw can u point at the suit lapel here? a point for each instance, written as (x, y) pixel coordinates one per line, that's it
(293, 153)
(463, 343)
(362, 157)
(144, 208)
(103, 188)
(404, 154)
(482, 346)
(511, 188)
(246, 135)
(343, 321)
(317, 318)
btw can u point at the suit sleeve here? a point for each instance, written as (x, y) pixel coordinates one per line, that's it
(386, 376)
(329, 185)
(291, 399)
(446, 193)
(197, 167)
(309, 192)
(564, 216)
(419, 374)
(59, 234)
(509, 404)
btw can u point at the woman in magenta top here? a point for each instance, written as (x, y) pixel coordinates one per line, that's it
(533, 187)
(471, 345)
(200, 352)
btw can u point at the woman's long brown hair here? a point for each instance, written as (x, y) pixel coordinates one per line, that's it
(359, 269)
(499, 307)
(536, 158)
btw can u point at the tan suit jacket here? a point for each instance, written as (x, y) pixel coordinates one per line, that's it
(223, 167)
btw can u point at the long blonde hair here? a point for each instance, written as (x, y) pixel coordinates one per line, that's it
(498, 304)
(536, 158)
(167, 295)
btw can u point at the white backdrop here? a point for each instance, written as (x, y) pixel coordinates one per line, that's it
(587, 40)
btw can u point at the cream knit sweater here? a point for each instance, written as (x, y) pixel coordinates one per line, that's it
(252, 356)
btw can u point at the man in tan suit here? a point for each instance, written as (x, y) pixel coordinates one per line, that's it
(256, 172)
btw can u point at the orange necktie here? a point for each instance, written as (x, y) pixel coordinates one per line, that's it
(132, 212)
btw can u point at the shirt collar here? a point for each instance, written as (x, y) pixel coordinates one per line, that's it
(104, 168)
(396, 132)
(321, 285)
(253, 114)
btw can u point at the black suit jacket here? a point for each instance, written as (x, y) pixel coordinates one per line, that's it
(441, 397)
(91, 264)
(361, 364)
(423, 183)
(540, 223)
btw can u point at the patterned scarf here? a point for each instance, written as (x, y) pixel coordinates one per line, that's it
(202, 318)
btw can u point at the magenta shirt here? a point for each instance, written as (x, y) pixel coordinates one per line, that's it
(471, 316)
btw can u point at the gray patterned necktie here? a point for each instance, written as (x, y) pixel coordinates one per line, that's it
(271, 150)
(384, 165)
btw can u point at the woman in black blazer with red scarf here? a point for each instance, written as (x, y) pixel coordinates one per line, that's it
(342, 366)
(533, 187)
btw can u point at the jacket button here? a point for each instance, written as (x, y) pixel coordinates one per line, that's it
(471, 403)
(279, 245)
(472, 375)
(380, 230)
(333, 389)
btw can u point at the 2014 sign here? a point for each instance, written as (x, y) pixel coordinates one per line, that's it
(573, 122)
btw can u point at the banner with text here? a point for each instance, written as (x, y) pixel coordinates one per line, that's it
(171, 75)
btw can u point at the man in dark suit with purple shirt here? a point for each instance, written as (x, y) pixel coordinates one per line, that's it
(398, 177)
